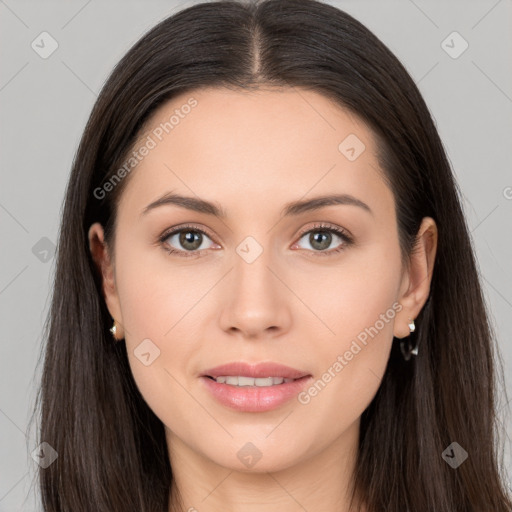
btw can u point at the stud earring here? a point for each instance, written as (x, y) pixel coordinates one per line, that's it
(113, 329)
(410, 349)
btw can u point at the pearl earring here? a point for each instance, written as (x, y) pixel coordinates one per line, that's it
(113, 330)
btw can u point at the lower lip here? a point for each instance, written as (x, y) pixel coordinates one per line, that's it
(255, 399)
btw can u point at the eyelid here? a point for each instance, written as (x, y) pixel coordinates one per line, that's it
(326, 225)
(181, 227)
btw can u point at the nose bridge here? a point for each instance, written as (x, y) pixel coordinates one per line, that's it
(256, 297)
(252, 263)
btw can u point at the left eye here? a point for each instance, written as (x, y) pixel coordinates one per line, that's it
(320, 238)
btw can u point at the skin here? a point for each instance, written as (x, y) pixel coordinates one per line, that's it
(253, 153)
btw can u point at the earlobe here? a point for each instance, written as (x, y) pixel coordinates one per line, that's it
(104, 266)
(417, 279)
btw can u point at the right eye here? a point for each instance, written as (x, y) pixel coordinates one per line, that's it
(190, 238)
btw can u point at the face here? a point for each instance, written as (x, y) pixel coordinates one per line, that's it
(319, 290)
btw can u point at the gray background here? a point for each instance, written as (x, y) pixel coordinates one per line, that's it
(46, 102)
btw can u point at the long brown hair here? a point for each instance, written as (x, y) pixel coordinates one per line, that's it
(112, 452)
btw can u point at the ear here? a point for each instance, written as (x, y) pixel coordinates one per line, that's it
(415, 286)
(104, 264)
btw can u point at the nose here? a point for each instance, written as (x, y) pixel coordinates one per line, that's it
(258, 301)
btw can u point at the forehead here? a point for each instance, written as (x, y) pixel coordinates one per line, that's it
(222, 144)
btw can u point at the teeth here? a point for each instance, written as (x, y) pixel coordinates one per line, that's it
(250, 381)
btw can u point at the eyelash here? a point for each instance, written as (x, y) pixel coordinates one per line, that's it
(347, 239)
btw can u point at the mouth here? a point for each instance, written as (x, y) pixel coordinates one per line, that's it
(242, 380)
(254, 388)
(254, 374)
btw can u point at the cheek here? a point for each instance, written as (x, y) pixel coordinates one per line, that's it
(353, 294)
(357, 305)
(156, 290)
(158, 303)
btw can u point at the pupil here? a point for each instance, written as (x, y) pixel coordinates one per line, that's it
(190, 237)
(326, 241)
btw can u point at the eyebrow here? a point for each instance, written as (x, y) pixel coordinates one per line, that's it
(290, 209)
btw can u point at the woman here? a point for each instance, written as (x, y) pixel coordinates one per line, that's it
(266, 294)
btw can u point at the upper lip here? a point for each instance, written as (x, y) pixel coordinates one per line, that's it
(259, 370)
